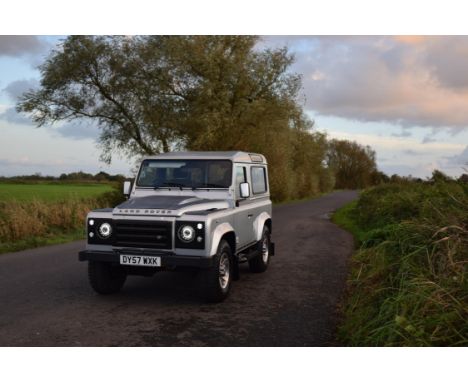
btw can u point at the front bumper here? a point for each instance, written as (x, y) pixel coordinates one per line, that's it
(168, 259)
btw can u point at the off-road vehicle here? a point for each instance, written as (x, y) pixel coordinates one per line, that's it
(204, 210)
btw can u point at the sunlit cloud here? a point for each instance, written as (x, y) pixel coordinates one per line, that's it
(405, 80)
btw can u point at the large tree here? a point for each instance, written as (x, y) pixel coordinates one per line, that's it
(150, 94)
(354, 165)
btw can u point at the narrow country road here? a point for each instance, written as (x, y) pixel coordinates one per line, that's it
(45, 299)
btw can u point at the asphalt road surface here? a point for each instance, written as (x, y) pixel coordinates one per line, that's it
(45, 299)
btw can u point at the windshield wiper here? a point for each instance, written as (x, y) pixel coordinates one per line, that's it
(214, 185)
(182, 186)
(174, 184)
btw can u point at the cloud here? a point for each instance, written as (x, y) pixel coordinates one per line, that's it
(17, 46)
(11, 162)
(394, 144)
(402, 134)
(447, 59)
(422, 170)
(405, 80)
(77, 131)
(460, 159)
(12, 116)
(73, 130)
(411, 152)
(428, 139)
(16, 88)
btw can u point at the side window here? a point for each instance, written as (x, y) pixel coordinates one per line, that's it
(241, 177)
(258, 176)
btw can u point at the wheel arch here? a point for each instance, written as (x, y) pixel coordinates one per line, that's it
(263, 219)
(230, 237)
(223, 231)
(269, 224)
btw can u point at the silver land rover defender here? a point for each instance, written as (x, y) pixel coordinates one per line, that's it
(204, 210)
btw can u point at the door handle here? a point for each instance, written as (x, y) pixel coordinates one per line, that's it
(249, 216)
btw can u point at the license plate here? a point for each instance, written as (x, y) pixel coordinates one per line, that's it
(144, 261)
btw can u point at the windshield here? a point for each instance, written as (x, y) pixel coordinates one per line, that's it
(185, 173)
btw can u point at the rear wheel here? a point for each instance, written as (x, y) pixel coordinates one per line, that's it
(260, 263)
(216, 281)
(105, 278)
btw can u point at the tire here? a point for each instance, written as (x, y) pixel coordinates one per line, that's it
(216, 281)
(260, 263)
(105, 278)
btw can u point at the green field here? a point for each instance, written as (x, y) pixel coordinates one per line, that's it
(50, 192)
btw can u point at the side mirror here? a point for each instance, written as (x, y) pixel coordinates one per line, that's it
(127, 187)
(244, 190)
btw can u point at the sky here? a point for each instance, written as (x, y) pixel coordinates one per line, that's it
(405, 96)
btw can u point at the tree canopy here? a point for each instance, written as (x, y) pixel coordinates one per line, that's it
(353, 164)
(153, 93)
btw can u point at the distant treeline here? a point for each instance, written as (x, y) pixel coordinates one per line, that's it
(72, 177)
(437, 176)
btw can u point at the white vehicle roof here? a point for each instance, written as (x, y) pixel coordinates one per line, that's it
(235, 156)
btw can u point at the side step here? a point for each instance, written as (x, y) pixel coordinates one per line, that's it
(242, 257)
(253, 251)
(246, 256)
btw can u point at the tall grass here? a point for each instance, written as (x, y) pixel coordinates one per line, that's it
(35, 222)
(408, 283)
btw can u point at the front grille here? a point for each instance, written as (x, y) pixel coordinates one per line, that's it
(143, 234)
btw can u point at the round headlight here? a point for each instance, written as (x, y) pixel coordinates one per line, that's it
(186, 233)
(105, 230)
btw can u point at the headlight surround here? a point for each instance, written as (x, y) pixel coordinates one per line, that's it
(189, 234)
(186, 233)
(105, 230)
(100, 230)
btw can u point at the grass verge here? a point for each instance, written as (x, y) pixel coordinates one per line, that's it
(51, 238)
(345, 218)
(408, 284)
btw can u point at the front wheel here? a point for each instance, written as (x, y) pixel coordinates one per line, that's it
(216, 281)
(260, 263)
(105, 278)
